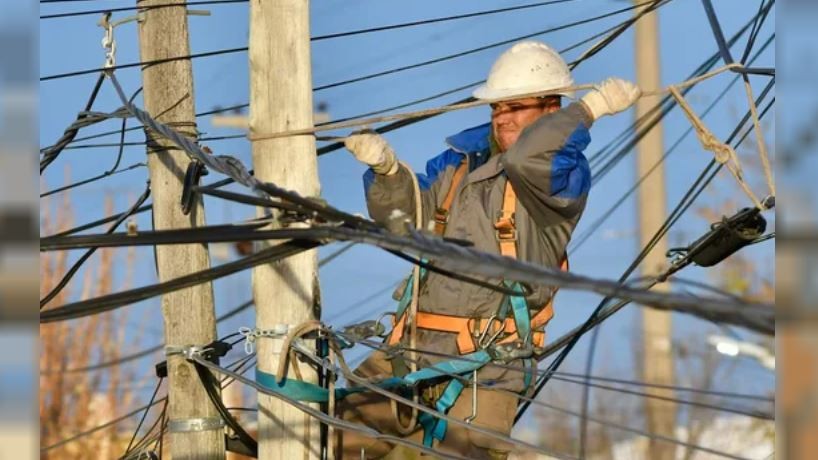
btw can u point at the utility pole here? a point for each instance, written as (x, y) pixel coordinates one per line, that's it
(196, 430)
(657, 364)
(285, 292)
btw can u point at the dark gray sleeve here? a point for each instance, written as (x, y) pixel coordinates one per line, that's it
(387, 193)
(546, 166)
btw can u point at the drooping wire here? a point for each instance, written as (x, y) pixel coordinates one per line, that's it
(345, 82)
(686, 201)
(53, 152)
(138, 8)
(580, 241)
(73, 270)
(144, 415)
(113, 169)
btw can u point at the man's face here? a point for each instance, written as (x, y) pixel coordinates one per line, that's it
(509, 119)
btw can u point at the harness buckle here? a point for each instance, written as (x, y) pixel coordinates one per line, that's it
(441, 216)
(507, 352)
(505, 227)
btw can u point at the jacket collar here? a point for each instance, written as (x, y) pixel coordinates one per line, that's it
(472, 140)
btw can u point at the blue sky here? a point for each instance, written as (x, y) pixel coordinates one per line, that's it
(74, 44)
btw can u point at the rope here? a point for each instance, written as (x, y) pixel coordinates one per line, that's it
(412, 314)
(461, 106)
(723, 153)
(577, 243)
(762, 145)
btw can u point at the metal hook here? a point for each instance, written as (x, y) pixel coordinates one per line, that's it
(473, 415)
(481, 341)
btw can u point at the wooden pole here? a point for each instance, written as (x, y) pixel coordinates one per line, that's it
(657, 365)
(286, 292)
(188, 313)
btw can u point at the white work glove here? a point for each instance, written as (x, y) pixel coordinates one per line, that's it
(373, 150)
(611, 96)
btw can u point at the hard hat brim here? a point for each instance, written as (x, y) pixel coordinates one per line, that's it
(484, 93)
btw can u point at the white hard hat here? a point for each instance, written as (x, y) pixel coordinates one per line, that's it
(527, 67)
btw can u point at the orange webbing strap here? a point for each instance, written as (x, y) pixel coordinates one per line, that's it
(505, 226)
(468, 328)
(442, 212)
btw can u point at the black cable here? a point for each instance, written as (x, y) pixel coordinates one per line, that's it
(209, 382)
(102, 221)
(761, 16)
(568, 379)
(144, 415)
(113, 169)
(579, 242)
(145, 63)
(138, 8)
(686, 201)
(345, 82)
(112, 301)
(52, 153)
(473, 50)
(146, 438)
(456, 276)
(92, 179)
(230, 233)
(73, 270)
(377, 112)
(100, 427)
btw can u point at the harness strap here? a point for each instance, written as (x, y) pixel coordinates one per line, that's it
(467, 328)
(442, 211)
(505, 227)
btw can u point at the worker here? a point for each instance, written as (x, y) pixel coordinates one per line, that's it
(515, 186)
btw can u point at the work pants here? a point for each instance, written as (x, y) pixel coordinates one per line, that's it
(495, 411)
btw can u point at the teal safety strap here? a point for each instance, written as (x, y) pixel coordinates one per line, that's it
(467, 363)
(434, 427)
(406, 298)
(310, 392)
(519, 307)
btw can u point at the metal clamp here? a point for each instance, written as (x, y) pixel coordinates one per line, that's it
(507, 352)
(108, 42)
(253, 334)
(195, 170)
(189, 425)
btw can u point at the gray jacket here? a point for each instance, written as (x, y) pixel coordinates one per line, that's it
(551, 178)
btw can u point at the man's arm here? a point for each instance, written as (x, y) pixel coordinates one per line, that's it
(385, 193)
(546, 166)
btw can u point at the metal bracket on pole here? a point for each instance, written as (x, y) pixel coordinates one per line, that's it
(189, 425)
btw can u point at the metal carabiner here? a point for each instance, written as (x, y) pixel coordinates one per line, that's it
(481, 341)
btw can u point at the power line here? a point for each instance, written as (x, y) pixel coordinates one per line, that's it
(235, 107)
(473, 50)
(596, 225)
(73, 270)
(138, 8)
(345, 82)
(673, 217)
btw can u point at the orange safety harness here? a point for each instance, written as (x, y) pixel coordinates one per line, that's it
(472, 331)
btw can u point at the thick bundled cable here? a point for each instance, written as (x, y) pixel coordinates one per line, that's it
(450, 257)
